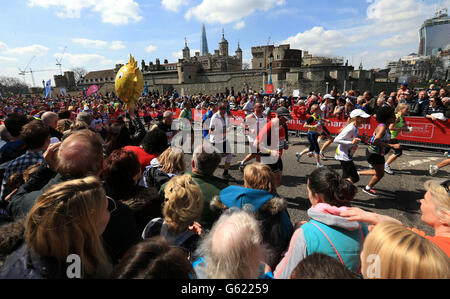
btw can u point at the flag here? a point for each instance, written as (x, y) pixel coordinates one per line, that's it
(146, 90)
(48, 88)
(92, 89)
(63, 91)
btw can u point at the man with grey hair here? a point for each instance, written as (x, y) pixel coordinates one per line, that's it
(232, 250)
(51, 120)
(85, 117)
(205, 161)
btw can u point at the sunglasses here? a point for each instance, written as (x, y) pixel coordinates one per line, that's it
(112, 206)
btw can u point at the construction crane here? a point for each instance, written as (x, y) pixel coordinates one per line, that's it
(58, 62)
(22, 72)
(35, 71)
(268, 41)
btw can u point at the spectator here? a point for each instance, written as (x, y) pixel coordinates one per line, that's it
(232, 249)
(63, 125)
(154, 258)
(78, 156)
(329, 194)
(443, 93)
(260, 196)
(121, 173)
(15, 147)
(11, 238)
(321, 266)
(402, 254)
(370, 102)
(183, 206)
(162, 169)
(36, 136)
(68, 218)
(414, 106)
(153, 145)
(435, 207)
(51, 120)
(434, 110)
(85, 117)
(446, 104)
(424, 102)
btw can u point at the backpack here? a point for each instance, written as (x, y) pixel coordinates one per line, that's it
(156, 178)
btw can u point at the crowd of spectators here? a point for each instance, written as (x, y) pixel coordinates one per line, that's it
(85, 177)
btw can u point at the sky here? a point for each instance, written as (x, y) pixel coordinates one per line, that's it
(98, 34)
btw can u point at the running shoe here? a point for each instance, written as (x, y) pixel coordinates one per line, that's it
(319, 165)
(229, 178)
(387, 169)
(371, 192)
(298, 157)
(433, 170)
(322, 156)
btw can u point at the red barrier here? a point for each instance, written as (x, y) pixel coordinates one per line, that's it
(424, 130)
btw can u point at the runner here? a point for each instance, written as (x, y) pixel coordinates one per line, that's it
(206, 121)
(266, 144)
(396, 128)
(220, 125)
(326, 109)
(348, 141)
(379, 146)
(314, 126)
(254, 123)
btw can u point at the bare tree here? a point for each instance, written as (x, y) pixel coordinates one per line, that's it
(246, 66)
(10, 85)
(79, 72)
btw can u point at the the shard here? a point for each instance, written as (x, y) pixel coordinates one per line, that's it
(204, 44)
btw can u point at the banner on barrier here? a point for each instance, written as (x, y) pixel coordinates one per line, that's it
(424, 130)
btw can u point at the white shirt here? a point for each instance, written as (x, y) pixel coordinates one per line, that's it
(346, 149)
(249, 107)
(255, 125)
(219, 126)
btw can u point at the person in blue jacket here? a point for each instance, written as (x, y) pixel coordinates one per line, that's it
(260, 197)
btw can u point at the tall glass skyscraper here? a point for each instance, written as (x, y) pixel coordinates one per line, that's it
(204, 44)
(434, 34)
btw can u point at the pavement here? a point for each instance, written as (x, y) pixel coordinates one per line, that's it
(399, 194)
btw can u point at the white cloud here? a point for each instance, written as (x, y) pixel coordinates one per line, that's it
(231, 11)
(318, 41)
(8, 59)
(37, 50)
(85, 60)
(239, 25)
(173, 5)
(115, 12)
(150, 49)
(99, 44)
(179, 54)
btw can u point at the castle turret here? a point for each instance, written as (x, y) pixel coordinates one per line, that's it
(186, 51)
(223, 45)
(239, 54)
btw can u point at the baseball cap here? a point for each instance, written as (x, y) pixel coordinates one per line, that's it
(328, 96)
(360, 113)
(283, 111)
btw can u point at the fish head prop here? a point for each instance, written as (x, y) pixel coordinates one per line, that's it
(129, 83)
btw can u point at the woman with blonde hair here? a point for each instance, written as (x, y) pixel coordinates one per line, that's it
(393, 252)
(435, 207)
(183, 205)
(169, 164)
(68, 219)
(259, 196)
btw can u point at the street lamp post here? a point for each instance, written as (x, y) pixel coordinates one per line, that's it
(327, 86)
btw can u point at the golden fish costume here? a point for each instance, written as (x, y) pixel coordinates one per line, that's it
(129, 84)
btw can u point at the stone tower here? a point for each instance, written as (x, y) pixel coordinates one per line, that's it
(239, 54)
(204, 45)
(223, 45)
(186, 51)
